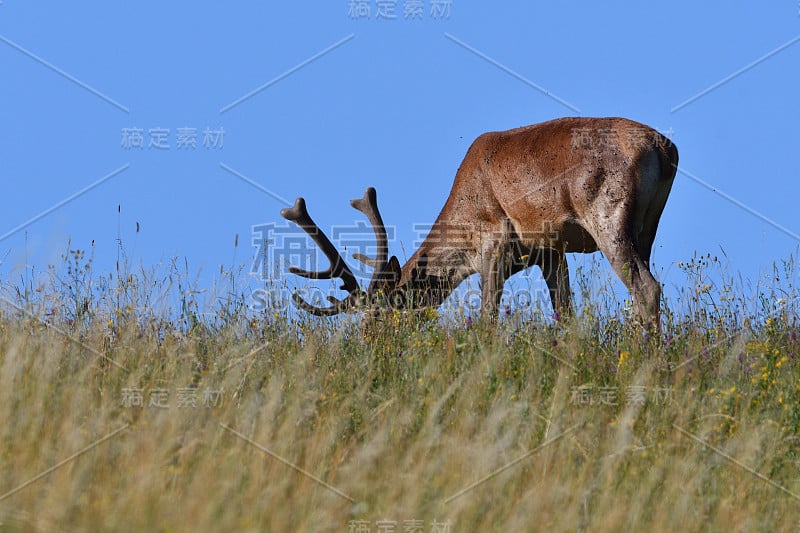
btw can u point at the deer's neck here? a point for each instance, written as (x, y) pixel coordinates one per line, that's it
(443, 260)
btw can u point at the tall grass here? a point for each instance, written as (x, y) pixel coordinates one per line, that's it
(229, 419)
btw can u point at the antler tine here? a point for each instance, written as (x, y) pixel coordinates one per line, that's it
(369, 206)
(337, 269)
(338, 305)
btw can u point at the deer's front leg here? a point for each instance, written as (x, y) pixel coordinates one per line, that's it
(556, 274)
(496, 263)
(491, 283)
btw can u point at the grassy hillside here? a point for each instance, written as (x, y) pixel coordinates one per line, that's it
(118, 416)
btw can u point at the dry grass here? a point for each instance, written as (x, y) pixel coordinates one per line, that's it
(607, 428)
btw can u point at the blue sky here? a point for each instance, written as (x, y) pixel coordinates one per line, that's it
(339, 102)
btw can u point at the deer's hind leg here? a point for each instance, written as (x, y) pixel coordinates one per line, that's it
(632, 269)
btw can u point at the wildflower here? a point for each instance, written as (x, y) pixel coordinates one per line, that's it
(704, 289)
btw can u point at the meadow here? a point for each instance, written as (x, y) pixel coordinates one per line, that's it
(134, 401)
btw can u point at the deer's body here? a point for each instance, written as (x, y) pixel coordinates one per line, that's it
(529, 195)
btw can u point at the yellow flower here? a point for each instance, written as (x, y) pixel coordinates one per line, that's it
(623, 357)
(703, 289)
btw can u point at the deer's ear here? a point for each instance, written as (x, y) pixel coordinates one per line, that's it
(391, 273)
(388, 278)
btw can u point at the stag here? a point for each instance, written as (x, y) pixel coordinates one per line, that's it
(520, 198)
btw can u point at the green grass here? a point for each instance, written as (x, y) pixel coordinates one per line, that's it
(584, 425)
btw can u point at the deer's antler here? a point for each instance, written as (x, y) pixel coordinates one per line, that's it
(369, 206)
(338, 268)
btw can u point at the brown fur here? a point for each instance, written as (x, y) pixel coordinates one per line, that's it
(567, 185)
